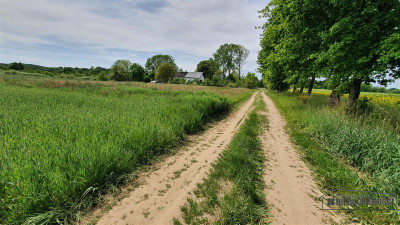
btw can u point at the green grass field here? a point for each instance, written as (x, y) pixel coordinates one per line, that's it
(353, 152)
(63, 143)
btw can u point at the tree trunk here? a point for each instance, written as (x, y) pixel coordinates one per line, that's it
(294, 88)
(311, 85)
(279, 87)
(334, 98)
(354, 93)
(302, 88)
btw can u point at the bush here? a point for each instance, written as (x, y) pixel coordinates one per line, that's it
(196, 82)
(251, 80)
(165, 72)
(103, 76)
(147, 79)
(177, 80)
(182, 81)
(174, 81)
(232, 85)
(16, 66)
(218, 82)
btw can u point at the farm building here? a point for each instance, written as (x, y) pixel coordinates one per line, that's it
(180, 75)
(189, 76)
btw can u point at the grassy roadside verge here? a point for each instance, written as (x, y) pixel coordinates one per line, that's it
(343, 154)
(233, 191)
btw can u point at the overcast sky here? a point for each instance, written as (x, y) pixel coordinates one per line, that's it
(96, 33)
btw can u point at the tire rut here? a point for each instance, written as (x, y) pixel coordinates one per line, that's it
(291, 191)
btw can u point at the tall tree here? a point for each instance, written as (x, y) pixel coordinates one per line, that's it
(362, 43)
(292, 31)
(240, 55)
(137, 72)
(165, 72)
(224, 58)
(120, 70)
(208, 67)
(154, 62)
(349, 42)
(271, 66)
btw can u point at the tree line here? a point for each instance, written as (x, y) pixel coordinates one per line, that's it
(224, 68)
(55, 71)
(347, 42)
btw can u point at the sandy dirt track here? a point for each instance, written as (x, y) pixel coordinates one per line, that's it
(167, 187)
(291, 191)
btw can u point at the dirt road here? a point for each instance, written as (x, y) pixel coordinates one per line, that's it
(158, 200)
(291, 191)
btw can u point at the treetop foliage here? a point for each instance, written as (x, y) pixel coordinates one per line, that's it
(230, 58)
(347, 42)
(121, 70)
(165, 71)
(154, 62)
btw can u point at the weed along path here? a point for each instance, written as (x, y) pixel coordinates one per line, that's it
(166, 187)
(290, 190)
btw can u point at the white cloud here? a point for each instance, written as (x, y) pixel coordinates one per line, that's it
(182, 27)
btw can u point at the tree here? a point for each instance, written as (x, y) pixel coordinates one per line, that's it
(362, 44)
(154, 62)
(240, 55)
(349, 42)
(16, 66)
(231, 57)
(165, 72)
(137, 72)
(224, 58)
(251, 80)
(271, 65)
(291, 37)
(208, 67)
(120, 70)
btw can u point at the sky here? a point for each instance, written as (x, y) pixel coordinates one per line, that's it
(98, 32)
(85, 33)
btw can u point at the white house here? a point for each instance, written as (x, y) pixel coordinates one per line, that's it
(194, 76)
(189, 76)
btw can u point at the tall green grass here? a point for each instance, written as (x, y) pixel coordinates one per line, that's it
(233, 193)
(332, 141)
(59, 146)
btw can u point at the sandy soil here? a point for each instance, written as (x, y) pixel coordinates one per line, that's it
(167, 187)
(291, 192)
